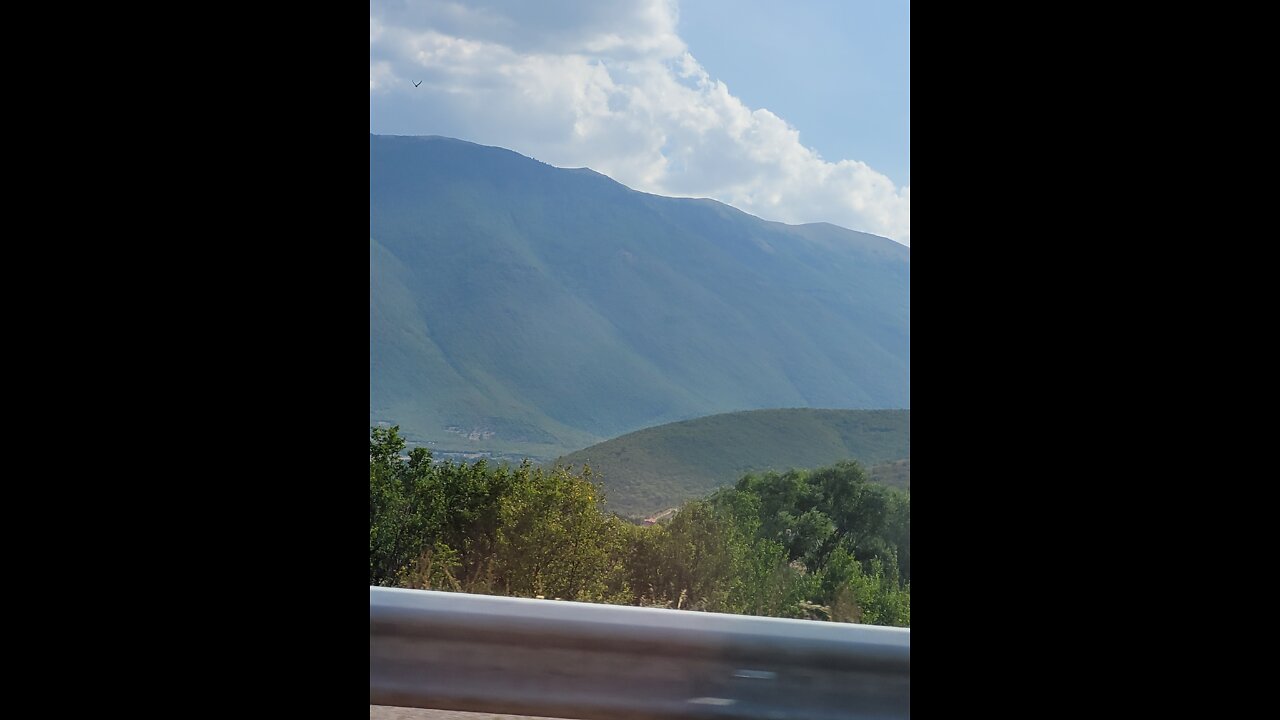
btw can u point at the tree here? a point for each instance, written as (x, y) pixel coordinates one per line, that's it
(393, 542)
(823, 544)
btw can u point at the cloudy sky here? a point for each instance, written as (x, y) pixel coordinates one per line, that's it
(796, 111)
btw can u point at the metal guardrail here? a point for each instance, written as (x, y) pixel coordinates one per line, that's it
(550, 658)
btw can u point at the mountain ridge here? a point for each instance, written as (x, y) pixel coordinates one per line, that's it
(536, 309)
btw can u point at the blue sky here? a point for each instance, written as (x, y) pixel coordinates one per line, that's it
(837, 70)
(797, 111)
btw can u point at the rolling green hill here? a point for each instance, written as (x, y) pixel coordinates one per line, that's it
(515, 307)
(894, 474)
(660, 467)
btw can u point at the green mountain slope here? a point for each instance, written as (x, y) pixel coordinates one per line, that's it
(662, 466)
(515, 307)
(894, 474)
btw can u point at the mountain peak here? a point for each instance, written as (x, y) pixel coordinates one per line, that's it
(519, 307)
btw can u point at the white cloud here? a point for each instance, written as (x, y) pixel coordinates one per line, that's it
(609, 85)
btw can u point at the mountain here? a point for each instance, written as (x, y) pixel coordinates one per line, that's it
(660, 467)
(515, 307)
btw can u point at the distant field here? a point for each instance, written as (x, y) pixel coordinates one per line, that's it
(660, 467)
(896, 474)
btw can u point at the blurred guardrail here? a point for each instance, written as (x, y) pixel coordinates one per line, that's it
(481, 653)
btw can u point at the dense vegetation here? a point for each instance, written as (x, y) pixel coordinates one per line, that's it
(822, 544)
(660, 467)
(521, 308)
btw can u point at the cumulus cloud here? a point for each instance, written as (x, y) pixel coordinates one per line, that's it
(608, 84)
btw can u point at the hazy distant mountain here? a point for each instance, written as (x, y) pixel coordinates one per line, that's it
(661, 467)
(518, 307)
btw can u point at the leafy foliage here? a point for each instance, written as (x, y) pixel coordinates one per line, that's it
(824, 544)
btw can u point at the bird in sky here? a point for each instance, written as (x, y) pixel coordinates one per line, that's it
(417, 83)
